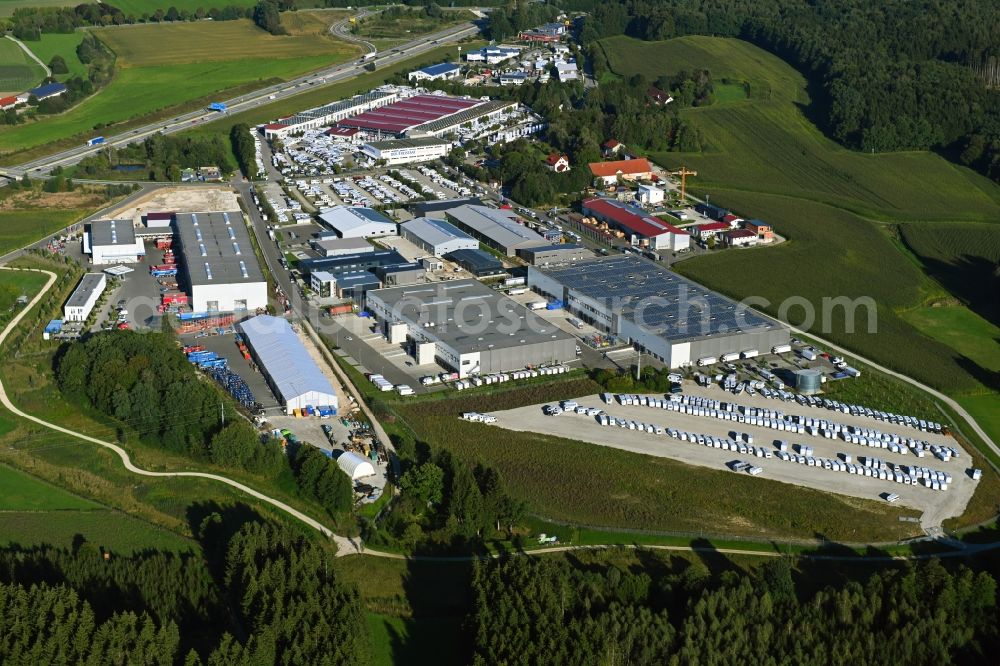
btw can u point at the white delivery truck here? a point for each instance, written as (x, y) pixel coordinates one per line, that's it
(537, 305)
(781, 349)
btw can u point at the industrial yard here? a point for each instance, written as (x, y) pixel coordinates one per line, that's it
(936, 506)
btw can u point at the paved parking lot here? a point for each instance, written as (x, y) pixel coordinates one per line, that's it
(225, 346)
(935, 505)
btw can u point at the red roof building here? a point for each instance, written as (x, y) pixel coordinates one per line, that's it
(648, 230)
(627, 169)
(740, 237)
(8, 102)
(709, 229)
(610, 147)
(558, 163)
(732, 220)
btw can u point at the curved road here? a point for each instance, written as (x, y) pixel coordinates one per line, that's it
(346, 546)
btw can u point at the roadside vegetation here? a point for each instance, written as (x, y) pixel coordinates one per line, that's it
(399, 24)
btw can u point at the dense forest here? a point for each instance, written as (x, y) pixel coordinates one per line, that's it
(145, 384)
(545, 610)
(885, 76)
(262, 595)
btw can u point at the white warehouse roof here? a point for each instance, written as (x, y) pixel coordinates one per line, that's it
(293, 373)
(355, 466)
(358, 222)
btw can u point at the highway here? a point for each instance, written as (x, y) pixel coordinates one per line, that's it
(179, 123)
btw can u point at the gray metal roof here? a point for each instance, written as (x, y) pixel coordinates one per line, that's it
(335, 107)
(433, 231)
(286, 360)
(468, 316)
(659, 300)
(88, 285)
(416, 142)
(498, 225)
(112, 232)
(346, 220)
(217, 248)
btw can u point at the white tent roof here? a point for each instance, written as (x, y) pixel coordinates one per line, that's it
(355, 466)
(284, 357)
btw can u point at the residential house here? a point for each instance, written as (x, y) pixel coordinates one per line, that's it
(740, 238)
(609, 172)
(558, 163)
(763, 230)
(611, 147)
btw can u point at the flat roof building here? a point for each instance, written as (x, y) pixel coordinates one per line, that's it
(407, 151)
(478, 262)
(290, 370)
(220, 266)
(559, 253)
(81, 302)
(672, 318)
(361, 261)
(439, 72)
(112, 242)
(353, 284)
(358, 222)
(397, 275)
(427, 208)
(495, 228)
(335, 247)
(469, 328)
(436, 237)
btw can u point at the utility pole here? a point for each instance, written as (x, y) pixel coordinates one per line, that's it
(222, 412)
(638, 365)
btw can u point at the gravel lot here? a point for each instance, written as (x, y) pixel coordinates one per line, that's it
(936, 506)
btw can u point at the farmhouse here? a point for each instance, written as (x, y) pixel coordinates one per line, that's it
(609, 172)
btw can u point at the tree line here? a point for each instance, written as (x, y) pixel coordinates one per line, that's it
(264, 595)
(29, 23)
(548, 610)
(159, 157)
(895, 75)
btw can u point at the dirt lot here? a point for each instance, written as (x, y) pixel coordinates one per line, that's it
(935, 505)
(179, 200)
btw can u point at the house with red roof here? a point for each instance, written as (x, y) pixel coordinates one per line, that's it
(710, 229)
(611, 147)
(8, 102)
(640, 228)
(740, 238)
(610, 172)
(764, 232)
(732, 220)
(558, 163)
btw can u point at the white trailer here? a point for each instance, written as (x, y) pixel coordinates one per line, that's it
(749, 353)
(731, 356)
(707, 360)
(781, 349)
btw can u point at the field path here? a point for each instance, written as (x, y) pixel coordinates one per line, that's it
(348, 546)
(48, 72)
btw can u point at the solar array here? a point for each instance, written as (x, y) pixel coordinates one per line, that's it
(660, 301)
(399, 116)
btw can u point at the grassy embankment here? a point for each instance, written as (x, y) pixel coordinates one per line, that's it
(839, 210)
(18, 72)
(53, 44)
(205, 61)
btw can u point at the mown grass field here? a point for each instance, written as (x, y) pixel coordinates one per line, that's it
(19, 228)
(18, 72)
(598, 486)
(23, 492)
(204, 61)
(766, 144)
(52, 44)
(16, 283)
(112, 530)
(7, 7)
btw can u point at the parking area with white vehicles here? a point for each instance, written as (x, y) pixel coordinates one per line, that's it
(855, 453)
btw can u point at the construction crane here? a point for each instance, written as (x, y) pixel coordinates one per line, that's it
(683, 172)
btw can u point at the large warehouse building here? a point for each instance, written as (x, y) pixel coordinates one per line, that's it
(357, 222)
(220, 267)
(291, 372)
(639, 228)
(468, 328)
(407, 151)
(436, 237)
(112, 242)
(670, 317)
(495, 228)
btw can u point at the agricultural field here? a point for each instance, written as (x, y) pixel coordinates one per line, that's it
(8, 7)
(206, 61)
(20, 228)
(112, 530)
(23, 492)
(18, 72)
(52, 44)
(766, 144)
(564, 480)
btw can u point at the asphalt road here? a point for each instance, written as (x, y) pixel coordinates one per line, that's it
(246, 102)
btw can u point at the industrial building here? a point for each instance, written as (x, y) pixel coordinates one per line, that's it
(360, 261)
(495, 228)
(468, 328)
(672, 318)
(437, 207)
(439, 72)
(639, 228)
(353, 284)
(81, 302)
(395, 119)
(436, 237)
(478, 262)
(559, 253)
(112, 242)
(491, 55)
(329, 114)
(220, 267)
(407, 151)
(350, 222)
(650, 194)
(336, 247)
(290, 371)
(397, 275)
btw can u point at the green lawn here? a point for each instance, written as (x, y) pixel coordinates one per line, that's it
(158, 82)
(766, 144)
(19, 228)
(411, 641)
(112, 530)
(52, 44)
(18, 72)
(7, 7)
(961, 329)
(14, 284)
(23, 492)
(986, 410)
